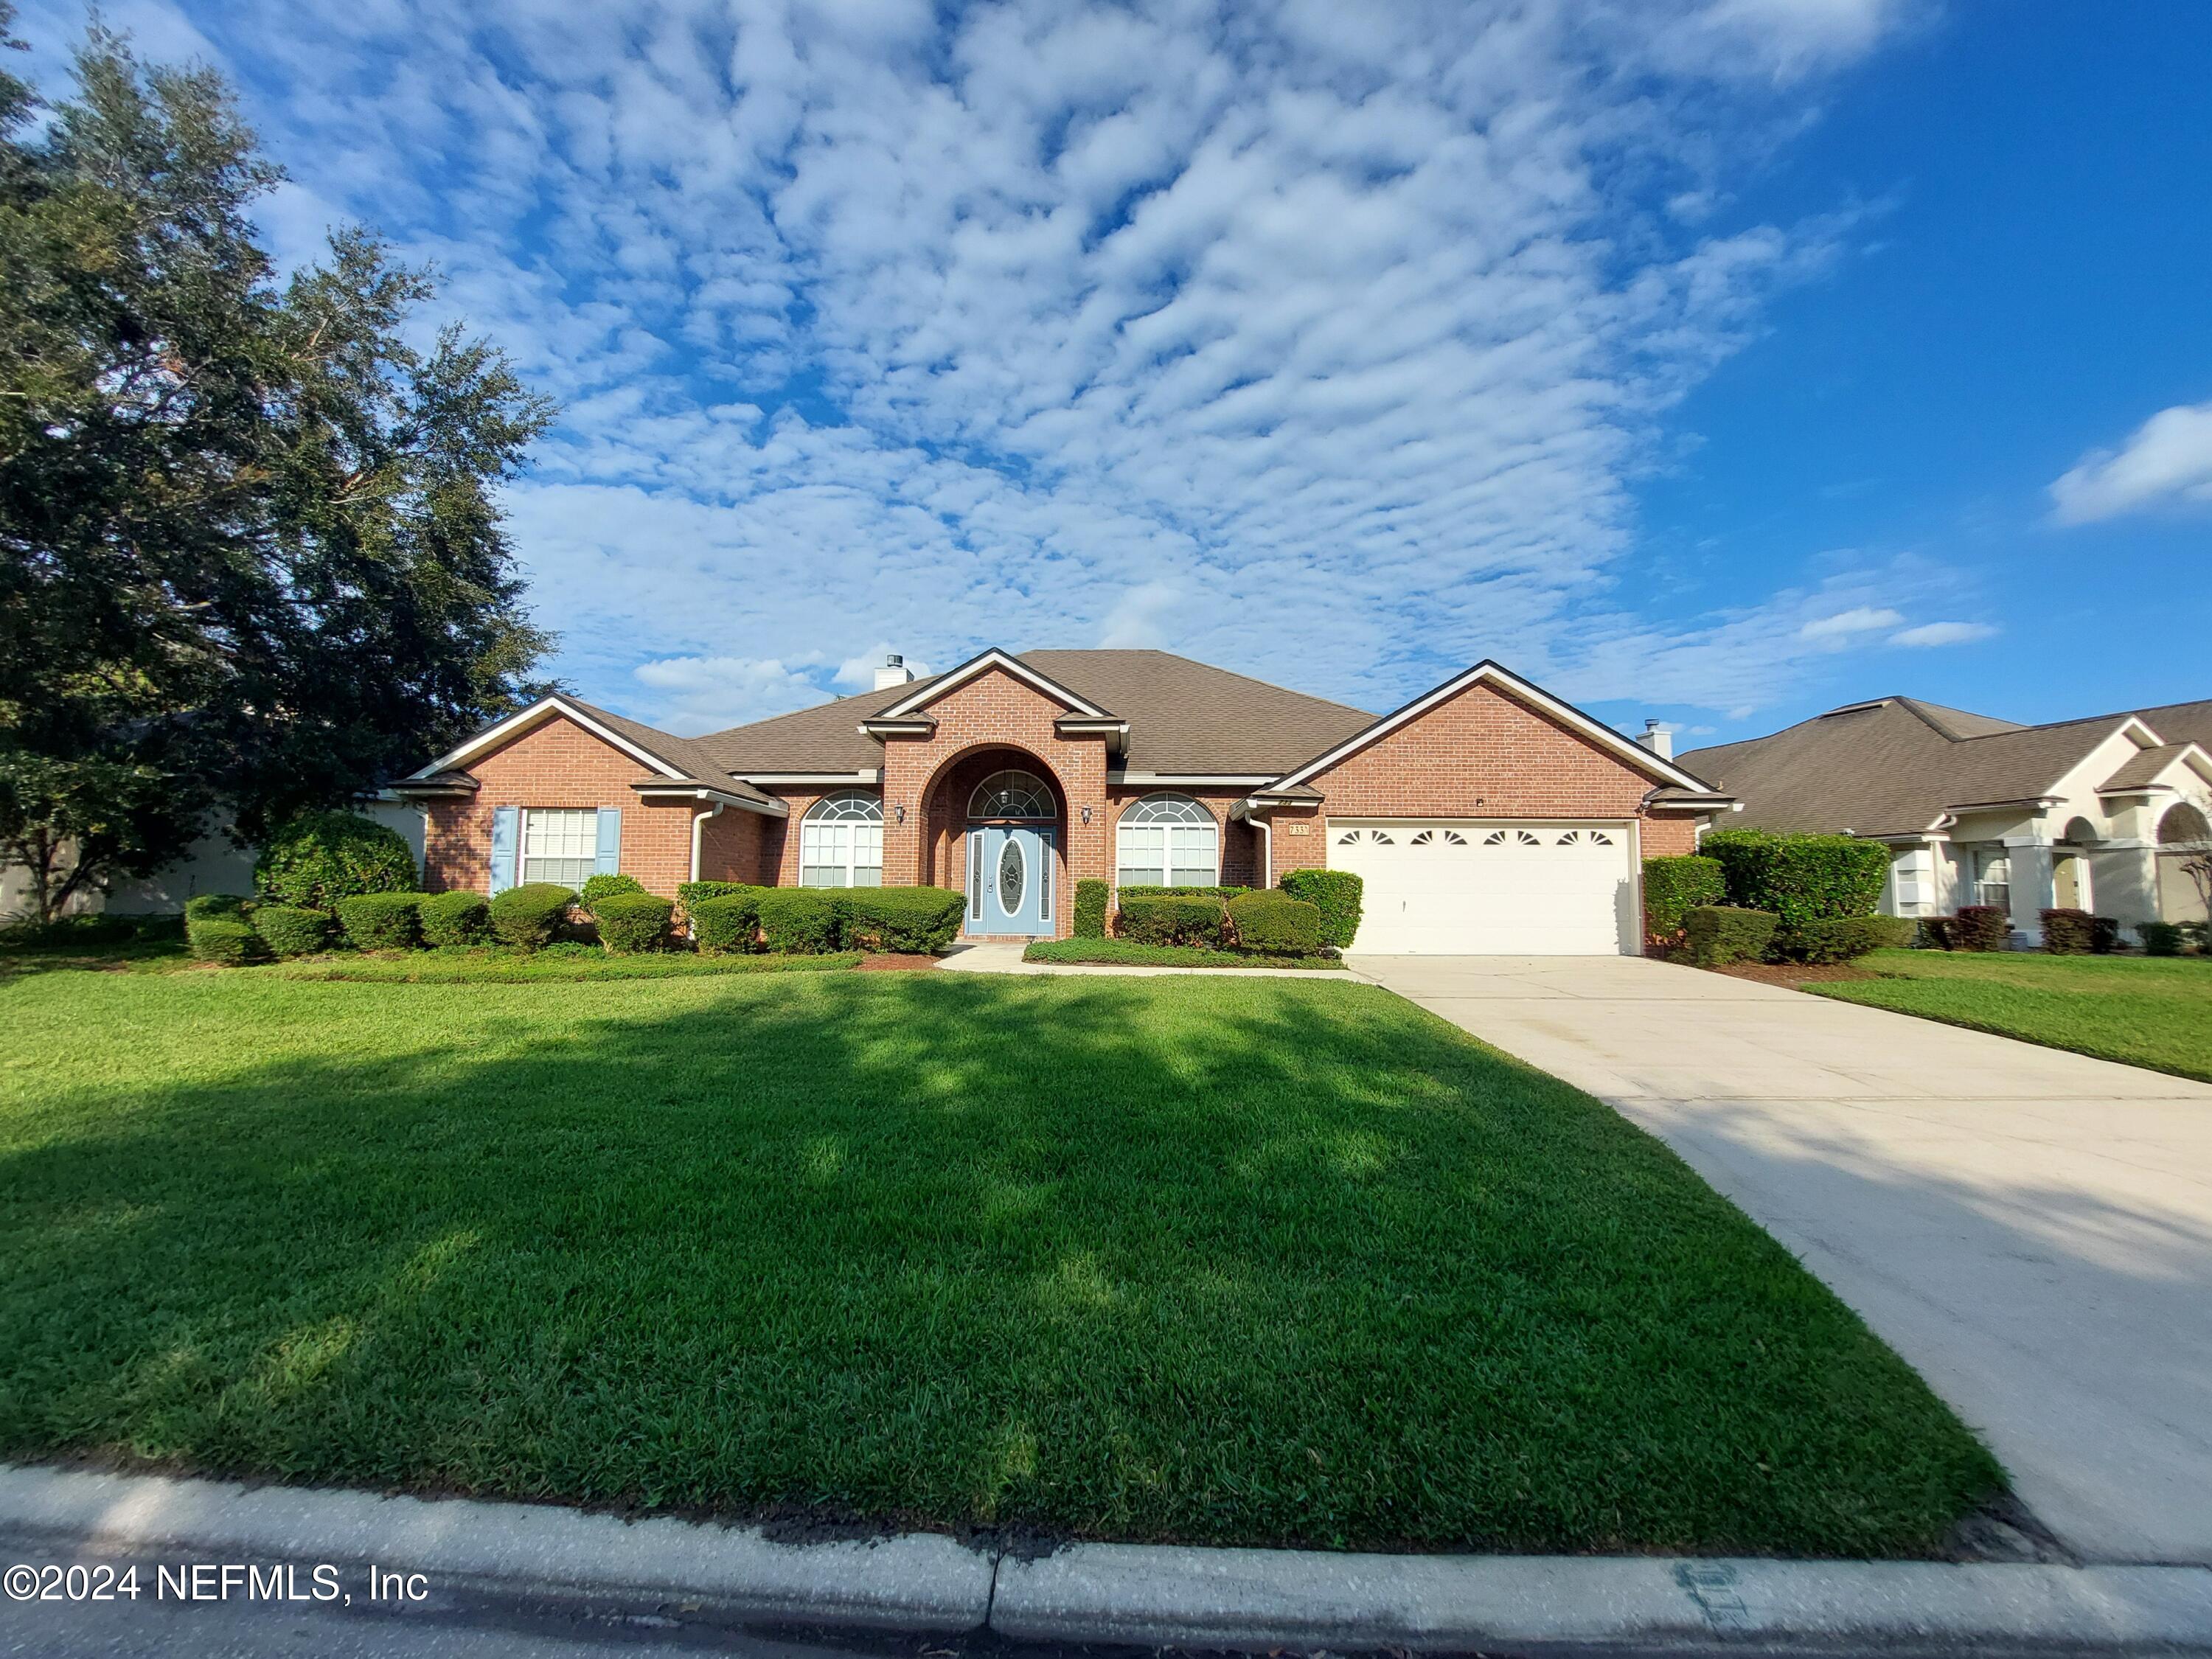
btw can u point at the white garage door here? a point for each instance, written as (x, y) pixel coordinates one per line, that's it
(1464, 888)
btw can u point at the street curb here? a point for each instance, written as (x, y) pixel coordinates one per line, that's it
(1154, 1594)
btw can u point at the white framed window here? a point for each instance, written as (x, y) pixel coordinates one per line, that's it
(1993, 876)
(559, 844)
(840, 841)
(1011, 795)
(1167, 841)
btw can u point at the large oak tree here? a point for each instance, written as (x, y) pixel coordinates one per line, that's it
(252, 558)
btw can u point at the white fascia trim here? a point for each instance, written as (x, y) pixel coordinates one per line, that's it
(883, 727)
(994, 658)
(1191, 780)
(862, 775)
(765, 809)
(1487, 671)
(538, 712)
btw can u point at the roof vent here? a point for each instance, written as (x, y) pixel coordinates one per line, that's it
(893, 673)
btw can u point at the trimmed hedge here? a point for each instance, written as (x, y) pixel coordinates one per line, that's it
(1800, 879)
(920, 920)
(1977, 928)
(1672, 885)
(1715, 934)
(596, 888)
(451, 919)
(1843, 938)
(726, 923)
(1336, 894)
(799, 921)
(88, 931)
(1222, 893)
(382, 921)
(1276, 924)
(528, 916)
(1152, 918)
(2069, 933)
(201, 905)
(229, 939)
(289, 930)
(318, 858)
(2160, 939)
(688, 893)
(632, 922)
(1093, 898)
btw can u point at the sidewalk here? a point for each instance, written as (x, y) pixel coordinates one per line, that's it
(683, 1573)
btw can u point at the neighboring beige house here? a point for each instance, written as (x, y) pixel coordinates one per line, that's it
(2093, 814)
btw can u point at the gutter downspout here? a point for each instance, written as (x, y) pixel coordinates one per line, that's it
(698, 828)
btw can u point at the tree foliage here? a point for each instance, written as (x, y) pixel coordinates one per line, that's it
(252, 558)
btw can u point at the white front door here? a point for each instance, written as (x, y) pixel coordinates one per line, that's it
(1463, 887)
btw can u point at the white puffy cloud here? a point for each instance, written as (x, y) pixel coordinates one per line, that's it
(1843, 624)
(1943, 633)
(1324, 343)
(2167, 460)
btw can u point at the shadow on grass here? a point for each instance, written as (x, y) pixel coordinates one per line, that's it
(1253, 1262)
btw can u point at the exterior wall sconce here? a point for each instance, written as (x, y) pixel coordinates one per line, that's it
(898, 814)
(1086, 814)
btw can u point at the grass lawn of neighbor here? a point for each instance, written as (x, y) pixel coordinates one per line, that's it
(2144, 1010)
(1215, 1260)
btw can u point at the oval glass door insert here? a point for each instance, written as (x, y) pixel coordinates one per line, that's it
(1012, 877)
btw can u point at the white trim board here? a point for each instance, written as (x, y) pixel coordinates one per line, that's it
(537, 715)
(1488, 672)
(953, 679)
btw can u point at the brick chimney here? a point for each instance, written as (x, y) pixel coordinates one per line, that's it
(1658, 739)
(893, 673)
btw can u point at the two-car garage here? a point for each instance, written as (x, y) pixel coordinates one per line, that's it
(1469, 887)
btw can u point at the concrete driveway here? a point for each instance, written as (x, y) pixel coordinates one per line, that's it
(2032, 1229)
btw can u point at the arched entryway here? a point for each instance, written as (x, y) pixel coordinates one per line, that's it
(2184, 864)
(997, 817)
(2070, 869)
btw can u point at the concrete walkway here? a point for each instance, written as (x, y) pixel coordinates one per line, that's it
(1004, 957)
(2031, 1229)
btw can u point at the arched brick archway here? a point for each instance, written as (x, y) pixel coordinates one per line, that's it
(946, 800)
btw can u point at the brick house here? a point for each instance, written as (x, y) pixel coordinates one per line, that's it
(1484, 816)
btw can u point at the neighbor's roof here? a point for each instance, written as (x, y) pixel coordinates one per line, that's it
(1185, 718)
(1894, 765)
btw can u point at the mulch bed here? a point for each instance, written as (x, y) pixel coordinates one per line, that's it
(895, 963)
(1788, 974)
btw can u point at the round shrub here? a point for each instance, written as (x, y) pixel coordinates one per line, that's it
(1151, 917)
(450, 918)
(913, 921)
(1275, 924)
(2160, 939)
(229, 939)
(1336, 894)
(1715, 934)
(320, 858)
(1977, 928)
(801, 921)
(728, 923)
(382, 921)
(598, 887)
(631, 922)
(201, 905)
(290, 931)
(1843, 938)
(1672, 885)
(527, 916)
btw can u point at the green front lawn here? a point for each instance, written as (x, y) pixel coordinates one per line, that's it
(1228, 1260)
(1129, 953)
(2143, 1011)
(492, 965)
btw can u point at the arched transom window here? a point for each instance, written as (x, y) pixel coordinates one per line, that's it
(1011, 795)
(840, 843)
(1168, 841)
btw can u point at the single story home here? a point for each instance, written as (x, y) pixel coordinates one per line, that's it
(1486, 815)
(2095, 814)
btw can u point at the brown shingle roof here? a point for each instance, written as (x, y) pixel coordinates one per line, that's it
(2145, 766)
(1184, 717)
(688, 756)
(1893, 766)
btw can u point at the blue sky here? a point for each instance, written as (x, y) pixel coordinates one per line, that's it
(1712, 360)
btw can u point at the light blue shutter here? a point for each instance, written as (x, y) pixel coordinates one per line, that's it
(506, 839)
(609, 860)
